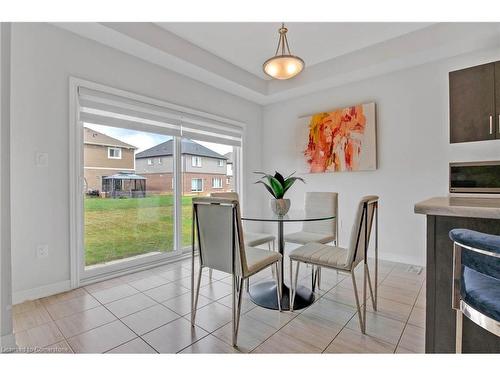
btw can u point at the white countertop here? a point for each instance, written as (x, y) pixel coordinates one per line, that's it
(488, 208)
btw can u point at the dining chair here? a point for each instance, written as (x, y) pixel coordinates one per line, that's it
(318, 231)
(218, 236)
(345, 260)
(476, 280)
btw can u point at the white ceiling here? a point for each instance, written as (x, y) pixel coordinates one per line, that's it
(248, 44)
(229, 56)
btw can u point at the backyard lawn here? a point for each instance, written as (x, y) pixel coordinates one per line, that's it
(120, 228)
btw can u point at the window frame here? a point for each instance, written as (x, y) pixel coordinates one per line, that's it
(196, 164)
(197, 191)
(114, 149)
(150, 161)
(220, 163)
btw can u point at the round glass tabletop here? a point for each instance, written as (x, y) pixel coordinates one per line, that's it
(292, 215)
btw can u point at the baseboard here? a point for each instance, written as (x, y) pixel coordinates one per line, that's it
(40, 292)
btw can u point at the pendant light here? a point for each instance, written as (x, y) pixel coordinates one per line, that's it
(283, 65)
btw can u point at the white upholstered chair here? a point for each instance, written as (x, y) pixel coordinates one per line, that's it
(318, 231)
(345, 260)
(218, 236)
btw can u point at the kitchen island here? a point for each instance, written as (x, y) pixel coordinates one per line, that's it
(444, 214)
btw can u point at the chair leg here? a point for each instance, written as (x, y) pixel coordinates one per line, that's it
(459, 329)
(318, 277)
(210, 271)
(358, 308)
(293, 286)
(374, 303)
(313, 278)
(364, 296)
(237, 294)
(194, 297)
(272, 268)
(277, 267)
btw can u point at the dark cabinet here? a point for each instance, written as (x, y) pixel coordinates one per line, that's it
(474, 107)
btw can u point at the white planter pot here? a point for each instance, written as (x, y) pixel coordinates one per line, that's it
(280, 206)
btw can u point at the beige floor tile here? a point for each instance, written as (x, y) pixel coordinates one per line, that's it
(106, 284)
(246, 302)
(351, 341)
(379, 327)
(400, 350)
(210, 345)
(342, 295)
(148, 282)
(335, 312)
(175, 274)
(186, 282)
(166, 292)
(102, 339)
(270, 317)
(151, 318)
(114, 293)
(39, 337)
(312, 331)
(391, 309)
(69, 307)
(396, 294)
(417, 317)
(66, 296)
(31, 318)
(26, 306)
(182, 304)
(78, 323)
(136, 276)
(281, 342)
(413, 339)
(136, 346)
(61, 347)
(174, 336)
(402, 283)
(213, 316)
(251, 333)
(130, 305)
(421, 299)
(216, 290)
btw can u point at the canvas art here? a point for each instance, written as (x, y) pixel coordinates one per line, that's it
(341, 140)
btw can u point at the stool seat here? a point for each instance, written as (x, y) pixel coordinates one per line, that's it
(481, 292)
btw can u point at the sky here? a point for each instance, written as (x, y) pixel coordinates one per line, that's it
(144, 140)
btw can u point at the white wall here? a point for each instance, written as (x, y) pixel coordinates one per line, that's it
(6, 337)
(43, 59)
(413, 149)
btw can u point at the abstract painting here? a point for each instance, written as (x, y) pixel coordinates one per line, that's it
(342, 140)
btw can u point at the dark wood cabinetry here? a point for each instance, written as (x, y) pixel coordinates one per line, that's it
(475, 103)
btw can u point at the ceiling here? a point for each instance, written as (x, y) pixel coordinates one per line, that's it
(248, 44)
(229, 56)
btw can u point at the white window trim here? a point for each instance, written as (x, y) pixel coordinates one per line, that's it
(196, 161)
(150, 161)
(197, 191)
(116, 149)
(216, 179)
(220, 163)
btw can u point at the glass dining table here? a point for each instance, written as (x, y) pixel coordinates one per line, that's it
(264, 293)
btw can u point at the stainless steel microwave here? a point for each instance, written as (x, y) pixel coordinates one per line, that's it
(475, 177)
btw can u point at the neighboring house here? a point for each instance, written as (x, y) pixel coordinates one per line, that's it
(230, 169)
(104, 156)
(204, 170)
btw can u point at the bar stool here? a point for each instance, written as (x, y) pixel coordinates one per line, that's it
(476, 280)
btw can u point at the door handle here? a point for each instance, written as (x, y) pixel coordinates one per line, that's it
(491, 124)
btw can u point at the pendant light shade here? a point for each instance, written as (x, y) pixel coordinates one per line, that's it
(283, 65)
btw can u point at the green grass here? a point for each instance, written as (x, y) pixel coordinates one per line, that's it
(120, 228)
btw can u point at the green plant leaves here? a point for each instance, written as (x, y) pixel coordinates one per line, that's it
(269, 189)
(277, 185)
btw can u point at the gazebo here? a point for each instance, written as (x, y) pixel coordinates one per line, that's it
(124, 185)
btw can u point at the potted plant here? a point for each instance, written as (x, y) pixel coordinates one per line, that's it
(277, 186)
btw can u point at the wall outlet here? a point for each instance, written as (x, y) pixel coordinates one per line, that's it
(42, 251)
(42, 159)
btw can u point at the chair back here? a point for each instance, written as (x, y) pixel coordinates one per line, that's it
(229, 195)
(218, 232)
(361, 230)
(321, 203)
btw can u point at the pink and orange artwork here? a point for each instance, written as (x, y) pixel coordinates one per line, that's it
(342, 140)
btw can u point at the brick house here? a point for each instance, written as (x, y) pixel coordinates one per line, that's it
(104, 156)
(204, 170)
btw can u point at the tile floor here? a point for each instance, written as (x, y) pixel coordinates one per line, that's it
(148, 312)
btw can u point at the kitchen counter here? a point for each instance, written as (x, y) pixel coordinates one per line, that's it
(488, 208)
(442, 215)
